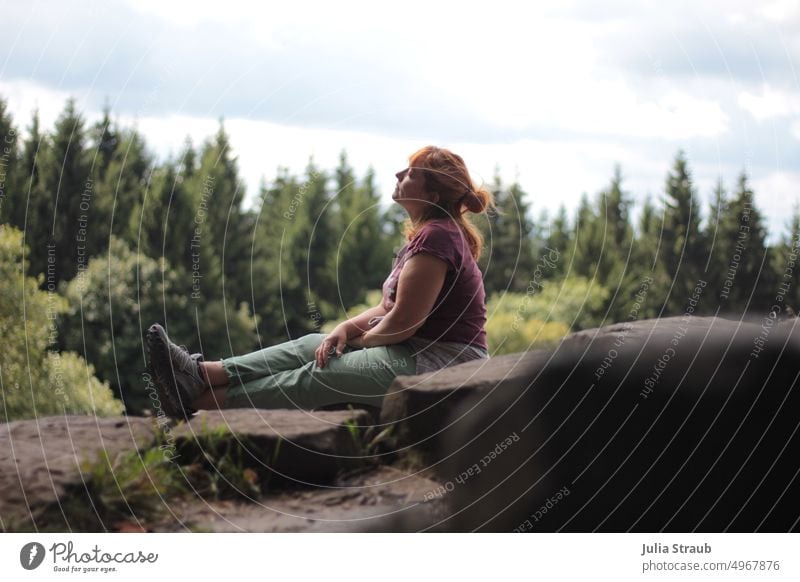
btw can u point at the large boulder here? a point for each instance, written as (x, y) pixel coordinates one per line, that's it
(678, 424)
(417, 406)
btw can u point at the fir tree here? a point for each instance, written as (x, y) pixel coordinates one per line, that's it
(560, 239)
(584, 252)
(315, 241)
(119, 186)
(31, 209)
(510, 261)
(365, 252)
(615, 261)
(652, 280)
(746, 285)
(68, 189)
(683, 250)
(786, 264)
(11, 199)
(717, 263)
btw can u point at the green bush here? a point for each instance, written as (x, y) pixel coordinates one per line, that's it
(575, 301)
(539, 318)
(113, 301)
(36, 380)
(507, 334)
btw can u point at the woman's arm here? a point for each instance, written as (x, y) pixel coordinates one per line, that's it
(359, 324)
(421, 281)
(347, 332)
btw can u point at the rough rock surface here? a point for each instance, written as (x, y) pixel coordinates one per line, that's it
(661, 425)
(360, 502)
(302, 447)
(417, 406)
(677, 424)
(40, 460)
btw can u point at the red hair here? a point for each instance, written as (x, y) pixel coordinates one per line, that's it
(446, 174)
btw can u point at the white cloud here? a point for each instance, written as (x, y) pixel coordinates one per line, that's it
(776, 193)
(780, 10)
(796, 129)
(770, 103)
(24, 97)
(559, 93)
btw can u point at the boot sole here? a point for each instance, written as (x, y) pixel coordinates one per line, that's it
(161, 370)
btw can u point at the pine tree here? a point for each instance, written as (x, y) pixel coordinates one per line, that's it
(392, 219)
(615, 263)
(164, 219)
(11, 199)
(560, 240)
(718, 258)
(188, 161)
(315, 242)
(683, 248)
(121, 173)
(786, 264)
(105, 140)
(68, 190)
(583, 251)
(364, 254)
(652, 279)
(510, 261)
(31, 209)
(746, 284)
(217, 193)
(278, 294)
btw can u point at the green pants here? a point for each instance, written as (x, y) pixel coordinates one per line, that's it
(287, 376)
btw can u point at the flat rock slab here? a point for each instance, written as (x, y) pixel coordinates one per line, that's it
(303, 447)
(41, 459)
(368, 501)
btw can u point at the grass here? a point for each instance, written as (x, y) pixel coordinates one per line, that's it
(219, 465)
(131, 488)
(134, 488)
(366, 443)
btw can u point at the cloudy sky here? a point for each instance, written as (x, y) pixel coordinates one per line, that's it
(553, 95)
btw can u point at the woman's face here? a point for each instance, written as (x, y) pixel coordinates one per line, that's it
(410, 192)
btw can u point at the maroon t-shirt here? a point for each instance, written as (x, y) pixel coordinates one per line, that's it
(459, 312)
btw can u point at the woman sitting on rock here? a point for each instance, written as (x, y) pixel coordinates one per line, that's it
(432, 315)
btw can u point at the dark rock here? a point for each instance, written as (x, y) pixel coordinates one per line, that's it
(299, 446)
(605, 438)
(417, 406)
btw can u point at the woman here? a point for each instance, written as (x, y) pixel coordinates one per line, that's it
(432, 315)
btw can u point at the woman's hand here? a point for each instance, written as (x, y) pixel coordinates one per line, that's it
(334, 341)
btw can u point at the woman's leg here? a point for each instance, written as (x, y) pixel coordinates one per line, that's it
(214, 374)
(278, 358)
(211, 399)
(285, 356)
(360, 376)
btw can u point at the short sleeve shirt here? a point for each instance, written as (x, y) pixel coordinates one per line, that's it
(456, 324)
